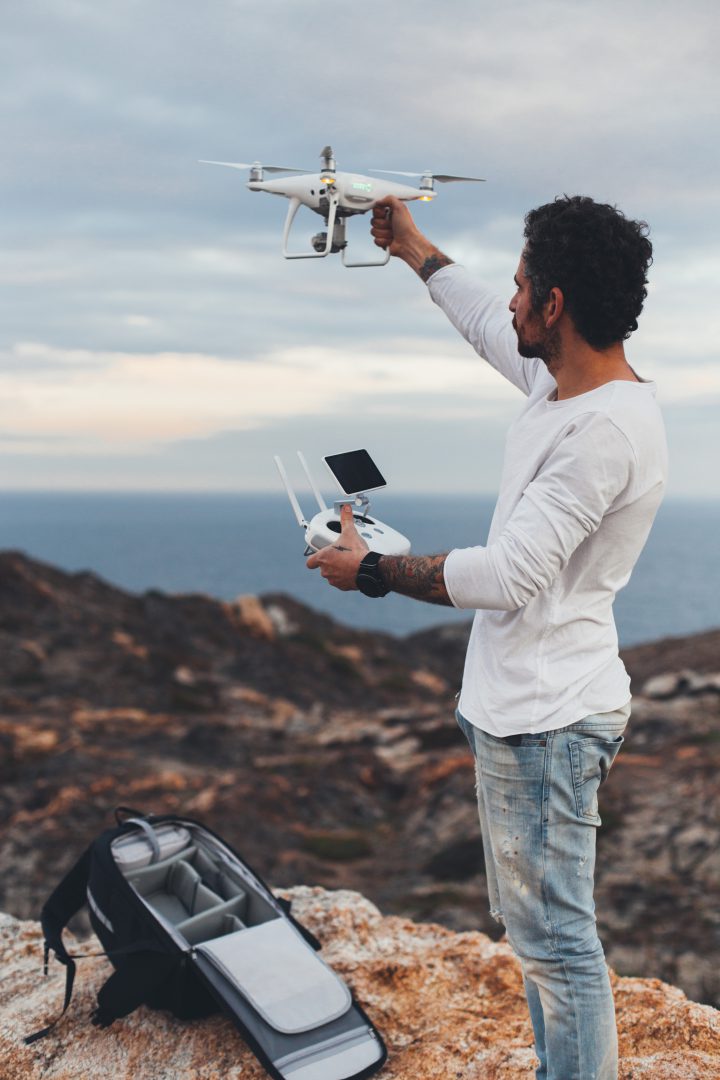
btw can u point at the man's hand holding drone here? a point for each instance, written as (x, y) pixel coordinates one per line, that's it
(339, 562)
(393, 229)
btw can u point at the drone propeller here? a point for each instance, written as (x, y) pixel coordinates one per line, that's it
(253, 165)
(443, 178)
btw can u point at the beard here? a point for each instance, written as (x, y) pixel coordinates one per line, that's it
(545, 345)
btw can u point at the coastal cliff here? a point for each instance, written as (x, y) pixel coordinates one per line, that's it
(330, 757)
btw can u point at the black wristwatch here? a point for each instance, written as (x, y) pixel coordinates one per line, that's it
(368, 578)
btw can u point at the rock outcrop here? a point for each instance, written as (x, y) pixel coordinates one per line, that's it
(329, 756)
(449, 1005)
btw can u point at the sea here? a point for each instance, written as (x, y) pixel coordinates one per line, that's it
(225, 545)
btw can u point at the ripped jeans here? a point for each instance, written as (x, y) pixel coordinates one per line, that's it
(538, 809)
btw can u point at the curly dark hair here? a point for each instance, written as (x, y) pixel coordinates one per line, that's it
(597, 257)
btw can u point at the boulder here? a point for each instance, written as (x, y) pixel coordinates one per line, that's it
(449, 1005)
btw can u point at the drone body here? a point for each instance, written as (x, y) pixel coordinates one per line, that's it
(335, 196)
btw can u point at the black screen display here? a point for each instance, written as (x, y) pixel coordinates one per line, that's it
(355, 471)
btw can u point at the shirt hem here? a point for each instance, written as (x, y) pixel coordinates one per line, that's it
(551, 724)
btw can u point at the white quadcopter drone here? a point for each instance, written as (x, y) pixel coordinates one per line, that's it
(336, 196)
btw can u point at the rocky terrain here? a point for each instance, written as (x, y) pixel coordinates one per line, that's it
(330, 757)
(400, 972)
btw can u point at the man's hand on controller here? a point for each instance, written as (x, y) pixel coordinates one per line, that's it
(339, 562)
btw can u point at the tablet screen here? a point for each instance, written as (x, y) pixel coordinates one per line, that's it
(355, 471)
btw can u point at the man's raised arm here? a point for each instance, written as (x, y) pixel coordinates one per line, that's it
(480, 316)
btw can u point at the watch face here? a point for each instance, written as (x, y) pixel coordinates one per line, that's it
(370, 586)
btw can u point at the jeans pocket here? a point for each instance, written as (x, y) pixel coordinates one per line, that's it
(467, 729)
(591, 759)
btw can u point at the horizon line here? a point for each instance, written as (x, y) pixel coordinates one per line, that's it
(273, 492)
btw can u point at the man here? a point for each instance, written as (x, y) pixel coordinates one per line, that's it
(545, 697)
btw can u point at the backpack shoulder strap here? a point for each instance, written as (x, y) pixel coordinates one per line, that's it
(121, 992)
(65, 901)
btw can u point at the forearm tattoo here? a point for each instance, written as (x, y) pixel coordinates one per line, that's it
(433, 263)
(419, 576)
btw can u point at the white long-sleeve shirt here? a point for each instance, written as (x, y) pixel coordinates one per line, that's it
(582, 480)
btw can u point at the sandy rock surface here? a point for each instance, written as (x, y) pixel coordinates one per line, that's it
(449, 1005)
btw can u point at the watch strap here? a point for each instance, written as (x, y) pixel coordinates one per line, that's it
(368, 578)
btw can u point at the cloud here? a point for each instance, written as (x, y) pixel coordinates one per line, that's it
(153, 288)
(125, 399)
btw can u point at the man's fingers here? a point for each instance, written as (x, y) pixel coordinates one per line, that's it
(381, 231)
(383, 211)
(338, 562)
(392, 225)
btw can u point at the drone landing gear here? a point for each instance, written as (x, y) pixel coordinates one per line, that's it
(375, 262)
(293, 208)
(325, 243)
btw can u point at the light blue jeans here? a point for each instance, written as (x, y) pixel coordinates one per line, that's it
(538, 816)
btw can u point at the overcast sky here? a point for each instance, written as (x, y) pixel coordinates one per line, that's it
(154, 338)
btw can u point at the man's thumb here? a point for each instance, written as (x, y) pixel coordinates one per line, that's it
(346, 518)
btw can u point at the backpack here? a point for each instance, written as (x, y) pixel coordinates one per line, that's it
(189, 927)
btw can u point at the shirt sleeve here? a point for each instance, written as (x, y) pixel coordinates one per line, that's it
(484, 321)
(589, 468)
